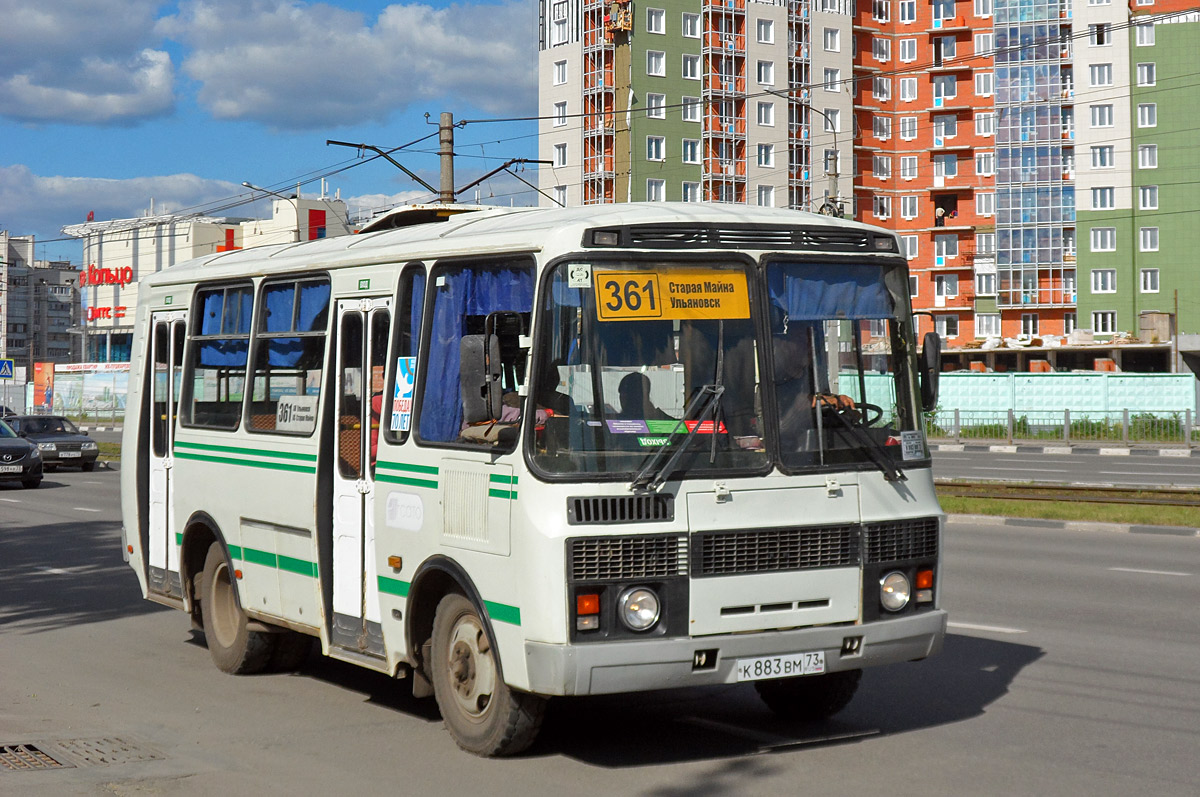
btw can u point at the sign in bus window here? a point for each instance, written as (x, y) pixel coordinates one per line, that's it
(673, 294)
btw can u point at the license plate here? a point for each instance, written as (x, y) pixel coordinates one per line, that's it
(65, 454)
(785, 666)
(10, 468)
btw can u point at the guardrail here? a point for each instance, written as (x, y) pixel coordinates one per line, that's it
(1123, 427)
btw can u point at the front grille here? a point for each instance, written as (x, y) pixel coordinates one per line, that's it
(621, 558)
(898, 540)
(68, 446)
(11, 457)
(605, 509)
(773, 550)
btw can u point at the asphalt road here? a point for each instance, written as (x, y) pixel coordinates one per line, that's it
(1072, 667)
(1138, 468)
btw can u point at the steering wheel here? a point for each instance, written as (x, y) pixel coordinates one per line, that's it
(870, 413)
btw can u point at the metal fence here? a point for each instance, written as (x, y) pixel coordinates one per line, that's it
(1061, 427)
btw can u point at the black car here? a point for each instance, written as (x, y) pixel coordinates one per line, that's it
(19, 458)
(59, 440)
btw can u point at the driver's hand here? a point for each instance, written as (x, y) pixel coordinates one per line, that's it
(833, 401)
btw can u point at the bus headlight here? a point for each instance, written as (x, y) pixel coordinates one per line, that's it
(894, 591)
(639, 608)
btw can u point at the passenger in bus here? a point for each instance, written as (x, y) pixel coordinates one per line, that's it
(634, 395)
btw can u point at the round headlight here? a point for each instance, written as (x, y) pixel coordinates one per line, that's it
(894, 591)
(639, 608)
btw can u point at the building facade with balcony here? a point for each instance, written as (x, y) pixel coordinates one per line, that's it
(39, 306)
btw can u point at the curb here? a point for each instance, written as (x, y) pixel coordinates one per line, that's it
(1074, 525)
(1106, 451)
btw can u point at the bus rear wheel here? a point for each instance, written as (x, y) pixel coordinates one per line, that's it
(810, 697)
(234, 647)
(482, 714)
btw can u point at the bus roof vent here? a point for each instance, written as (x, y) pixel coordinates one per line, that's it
(609, 509)
(735, 236)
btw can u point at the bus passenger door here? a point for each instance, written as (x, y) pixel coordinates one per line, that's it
(363, 329)
(166, 363)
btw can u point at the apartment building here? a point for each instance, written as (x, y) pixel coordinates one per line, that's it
(954, 122)
(1139, 202)
(39, 307)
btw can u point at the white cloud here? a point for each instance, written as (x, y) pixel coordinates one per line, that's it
(298, 65)
(82, 62)
(33, 204)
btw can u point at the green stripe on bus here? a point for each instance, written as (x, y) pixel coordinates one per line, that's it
(299, 566)
(256, 557)
(383, 477)
(511, 495)
(393, 586)
(258, 452)
(250, 463)
(235, 552)
(179, 538)
(429, 469)
(500, 478)
(503, 613)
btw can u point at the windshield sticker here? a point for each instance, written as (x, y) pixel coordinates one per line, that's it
(634, 426)
(653, 442)
(296, 414)
(579, 275)
(911, 446)
(642, 295)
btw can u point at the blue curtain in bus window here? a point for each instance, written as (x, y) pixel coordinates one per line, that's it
(314, 307)
(417, 306)
(278, 300)
(461, 293)
(224, 353)
(211, 306)
(811, 292)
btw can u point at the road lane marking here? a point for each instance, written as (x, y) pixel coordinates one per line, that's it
(55, 571)
(995, 629)
(11, 500)
(1148, 572)
(85, 509)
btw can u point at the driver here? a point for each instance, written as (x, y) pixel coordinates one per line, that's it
(794, 390)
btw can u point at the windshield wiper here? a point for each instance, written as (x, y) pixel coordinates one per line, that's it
(707, 399)
(874, 449)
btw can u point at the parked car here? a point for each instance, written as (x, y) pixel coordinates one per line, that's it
(19, 458)
(59, 440)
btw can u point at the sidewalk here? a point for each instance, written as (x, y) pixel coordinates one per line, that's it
(1095, 449)
(1074, 525)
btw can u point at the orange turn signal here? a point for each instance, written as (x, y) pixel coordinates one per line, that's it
(587, 604)
(237, 574)
(924, 579)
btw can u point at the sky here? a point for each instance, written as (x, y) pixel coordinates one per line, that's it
(108, 106)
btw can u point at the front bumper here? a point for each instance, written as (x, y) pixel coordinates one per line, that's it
(612, 667)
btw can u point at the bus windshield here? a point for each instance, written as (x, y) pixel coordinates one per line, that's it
(639, 358)
(844, 386)
(647, 370)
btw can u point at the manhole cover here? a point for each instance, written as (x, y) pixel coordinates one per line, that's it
(26, 757)
(103, 751)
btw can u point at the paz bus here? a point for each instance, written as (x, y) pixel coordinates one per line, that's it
(514, 454)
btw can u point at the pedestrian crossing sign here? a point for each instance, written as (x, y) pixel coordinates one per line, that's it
(6, 369)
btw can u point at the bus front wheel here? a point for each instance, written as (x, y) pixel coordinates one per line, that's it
(809, 697)
(481, 713)
(234, 647)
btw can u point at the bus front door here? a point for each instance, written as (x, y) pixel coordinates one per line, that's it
(166, 360)
(361, 355)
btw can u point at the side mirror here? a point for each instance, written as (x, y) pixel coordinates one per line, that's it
(929, 368)
(479, 377)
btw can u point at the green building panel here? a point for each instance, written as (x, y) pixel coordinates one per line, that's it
(671, 170)
(1176, 95)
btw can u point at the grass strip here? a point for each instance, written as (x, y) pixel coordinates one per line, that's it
(1137, 514)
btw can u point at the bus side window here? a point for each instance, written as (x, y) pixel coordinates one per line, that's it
(465, 296)
(396, 412)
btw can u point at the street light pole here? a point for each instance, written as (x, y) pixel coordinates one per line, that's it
(294, 200)
(834, 204)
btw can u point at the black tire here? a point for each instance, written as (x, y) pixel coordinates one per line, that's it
(29, 484)
(234, 647)
(482, 714)
(290, 650)
(87, 466)
(810, 697)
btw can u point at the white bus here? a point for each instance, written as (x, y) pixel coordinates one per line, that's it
(523, 453)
